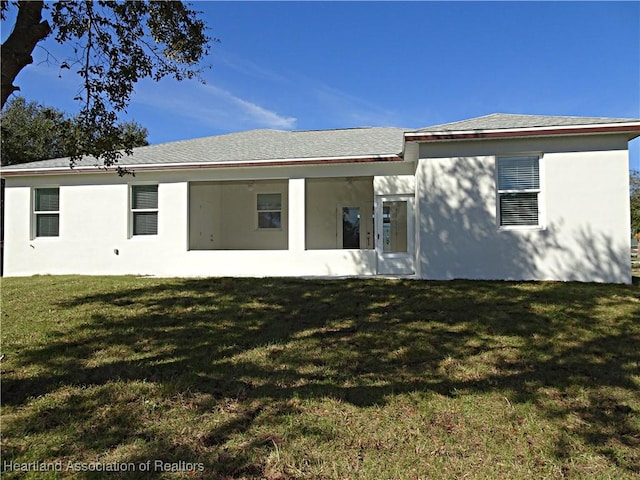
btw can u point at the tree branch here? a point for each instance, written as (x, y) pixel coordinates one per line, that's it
(87, 63)
(17, 49)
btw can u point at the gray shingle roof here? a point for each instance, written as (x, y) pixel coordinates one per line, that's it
(258, 145)
(498, 121)
(264, 145)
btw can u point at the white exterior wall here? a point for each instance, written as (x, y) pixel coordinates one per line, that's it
(394, 185)
(92, 230)
(585, 233)
(94, 222)
(584, 199)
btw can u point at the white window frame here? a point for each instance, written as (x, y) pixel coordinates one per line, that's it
(133, 211)
(36, 213)
(258, 212)
(538, 191)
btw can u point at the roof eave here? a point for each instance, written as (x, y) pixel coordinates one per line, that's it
(632, 129)
(206, 165)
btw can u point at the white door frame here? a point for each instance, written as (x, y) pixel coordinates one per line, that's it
(395, 263)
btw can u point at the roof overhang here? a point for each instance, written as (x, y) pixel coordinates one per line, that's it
(289, 162)
(631, 129)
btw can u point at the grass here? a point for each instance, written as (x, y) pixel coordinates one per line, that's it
(320, 379)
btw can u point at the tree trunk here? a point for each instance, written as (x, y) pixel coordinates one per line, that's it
(17, 48)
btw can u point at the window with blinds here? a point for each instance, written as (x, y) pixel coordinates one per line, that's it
(46, 210)
(518, 191)
(144, 209)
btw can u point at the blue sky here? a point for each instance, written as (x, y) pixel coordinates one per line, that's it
(316, 65)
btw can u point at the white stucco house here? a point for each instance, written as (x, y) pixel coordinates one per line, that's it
(518, 197)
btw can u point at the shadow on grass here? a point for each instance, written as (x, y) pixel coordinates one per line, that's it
(261, 343)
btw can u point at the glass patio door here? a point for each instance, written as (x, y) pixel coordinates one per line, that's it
(395, 235)
(355, 226)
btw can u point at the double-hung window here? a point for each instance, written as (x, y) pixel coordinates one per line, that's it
(519, 191)
(269, 208)
(144, 209)
(46, 211)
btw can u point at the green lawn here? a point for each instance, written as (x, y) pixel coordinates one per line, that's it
(319, 379)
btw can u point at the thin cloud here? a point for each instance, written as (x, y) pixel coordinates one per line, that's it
(250, 68)
(324, 104)
(213, 106)
(349, 109)
(255, 112)
(209, 104)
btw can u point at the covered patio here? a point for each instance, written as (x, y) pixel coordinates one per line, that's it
(338, 225)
